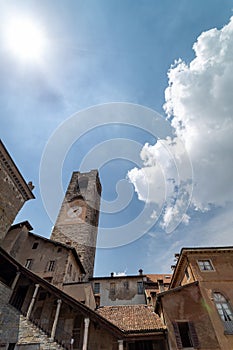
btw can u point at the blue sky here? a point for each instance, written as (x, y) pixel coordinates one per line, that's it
(100, 52)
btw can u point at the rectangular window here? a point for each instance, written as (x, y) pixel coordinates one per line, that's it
(28, 263)
(35, 245)
(70, 269)
(51, 265)
(187, 274)
(96, 288)
(112, 288)
(205, 265)
(140, 287)
(186, 336)
(126, 285)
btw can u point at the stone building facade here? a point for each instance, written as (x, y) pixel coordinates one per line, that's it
(14, 191)
(47, 287)
(77, 222)
(37, 315)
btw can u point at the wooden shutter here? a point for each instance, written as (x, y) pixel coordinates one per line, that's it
(193, 335)
(177, 335)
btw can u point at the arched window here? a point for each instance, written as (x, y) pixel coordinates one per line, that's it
(223, 307)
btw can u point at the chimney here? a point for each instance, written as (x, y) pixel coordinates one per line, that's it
(112, 274)
(140, 272)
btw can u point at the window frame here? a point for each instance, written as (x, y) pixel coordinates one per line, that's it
(96, 288)
(28, 264)
(35, 245)
(140, 288)
(225, 317)
(51, 265)
(203, 261)
(112, 289)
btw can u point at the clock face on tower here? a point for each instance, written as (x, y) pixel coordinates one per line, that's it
(75, 212)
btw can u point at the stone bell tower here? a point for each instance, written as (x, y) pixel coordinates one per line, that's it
(77, 221)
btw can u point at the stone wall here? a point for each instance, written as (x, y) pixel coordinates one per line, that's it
(77, 222)
(11, 201)
(14, 191)
(9, 318)
(120, 291)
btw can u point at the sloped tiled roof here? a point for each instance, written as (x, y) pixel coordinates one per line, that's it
(133, 318)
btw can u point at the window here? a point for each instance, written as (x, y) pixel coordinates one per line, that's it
(51, 265)
(59, 249)
(112, 288)
(224, 311)
(70, 269)
(140, 287)
(126, 285)
(205, 265)
(35, 245)
(28, 263)
(74, 276)
(11, 346)
(187, 274)
(186, 336)
(96, 288)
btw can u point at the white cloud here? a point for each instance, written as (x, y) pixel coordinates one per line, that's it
(199, 104)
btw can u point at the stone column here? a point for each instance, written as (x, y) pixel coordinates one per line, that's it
(85, 336)
(32, 301)
(120, 344)
(56, 319)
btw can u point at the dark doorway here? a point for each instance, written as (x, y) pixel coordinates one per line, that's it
(77, 331)
(19, 297)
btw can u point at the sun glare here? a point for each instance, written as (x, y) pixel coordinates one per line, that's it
(25, 39)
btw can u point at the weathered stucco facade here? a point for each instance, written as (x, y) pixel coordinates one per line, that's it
(200, 300)
(129, 290)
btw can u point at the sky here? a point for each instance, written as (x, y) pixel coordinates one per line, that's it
(141, 90)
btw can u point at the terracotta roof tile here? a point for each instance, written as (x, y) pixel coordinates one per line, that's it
(133, 318)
